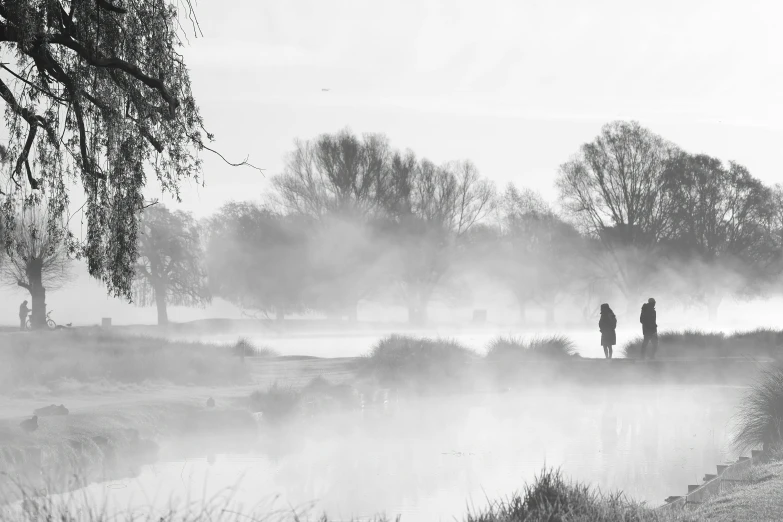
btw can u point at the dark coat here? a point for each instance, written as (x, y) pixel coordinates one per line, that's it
(607, 325)
(648, 319)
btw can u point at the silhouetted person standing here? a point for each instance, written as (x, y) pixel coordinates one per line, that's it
(607, 324)
(649, 327)
(23, 311)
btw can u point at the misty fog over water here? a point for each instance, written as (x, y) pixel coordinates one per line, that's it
(425, 459)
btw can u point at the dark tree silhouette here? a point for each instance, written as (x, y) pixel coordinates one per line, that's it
(170, 267)
(97, 92)
(718, 217)
(611, 188)
(37, 253)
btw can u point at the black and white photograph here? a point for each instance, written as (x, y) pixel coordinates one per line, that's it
(411, 261)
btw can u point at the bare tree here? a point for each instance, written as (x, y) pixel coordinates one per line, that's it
(445, 203)
(611, 190)
(336, 174)
(341, 182)
(38, 252)
(98, 92)
(539, 252)
(170, 266)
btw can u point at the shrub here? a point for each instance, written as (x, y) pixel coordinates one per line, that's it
(551, 497)
(759, 422)
(276, 402)
(697, 344)
(319, 394)
(401, 359)
(244, 348)
(513, 350)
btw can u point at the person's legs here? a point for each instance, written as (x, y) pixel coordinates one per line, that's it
(606, 351)
(22, 320)
(654, 346)
(644, 345)
(610, 350)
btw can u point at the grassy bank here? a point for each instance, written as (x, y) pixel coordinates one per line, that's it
(761, 343)
(758, 499)
(53, 359)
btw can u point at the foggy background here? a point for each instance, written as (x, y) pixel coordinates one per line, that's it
(515, 89)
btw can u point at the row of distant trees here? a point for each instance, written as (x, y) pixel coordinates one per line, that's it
(350, 219)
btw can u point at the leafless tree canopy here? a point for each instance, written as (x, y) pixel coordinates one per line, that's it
(613, 184)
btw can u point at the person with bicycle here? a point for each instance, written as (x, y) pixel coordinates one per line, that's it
(23, 312)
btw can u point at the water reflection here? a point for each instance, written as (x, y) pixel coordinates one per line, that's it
(426, 459)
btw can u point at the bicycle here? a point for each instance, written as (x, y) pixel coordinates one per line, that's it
(49, 321)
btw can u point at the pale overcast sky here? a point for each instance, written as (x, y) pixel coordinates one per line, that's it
(515, 86)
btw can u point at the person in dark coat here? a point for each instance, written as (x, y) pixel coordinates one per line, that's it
(607, 324)
(649, 321)
(23, 311)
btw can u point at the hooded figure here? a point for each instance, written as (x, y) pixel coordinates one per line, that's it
(649, 319)
(23, 311)
(607, 324)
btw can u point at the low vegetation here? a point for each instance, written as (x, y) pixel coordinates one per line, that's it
(551, 497)
(62, 358)
(761, 343)
(516, 350)
(276, 402)
(402, 360)
(760, 418)
(245, 348)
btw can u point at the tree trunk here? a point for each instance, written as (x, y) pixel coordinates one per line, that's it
(38, 315)
(34, 272)
(160, 302)
(712, 308)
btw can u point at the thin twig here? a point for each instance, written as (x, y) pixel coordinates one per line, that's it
(243, 163)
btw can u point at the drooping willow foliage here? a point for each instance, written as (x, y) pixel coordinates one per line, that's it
(96, 95)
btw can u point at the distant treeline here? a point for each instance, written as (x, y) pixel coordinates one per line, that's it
(350, 218)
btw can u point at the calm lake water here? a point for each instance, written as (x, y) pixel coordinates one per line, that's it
(429, 459)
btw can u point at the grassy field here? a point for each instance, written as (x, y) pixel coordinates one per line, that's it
(52, 359)
(761, 343)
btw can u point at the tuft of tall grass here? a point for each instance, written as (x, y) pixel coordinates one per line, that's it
(759, 422)
(514, 350)
(276, 402)
(421, 361)
(245, 348)
(762, 342)
(50, 359)
(551, 497)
